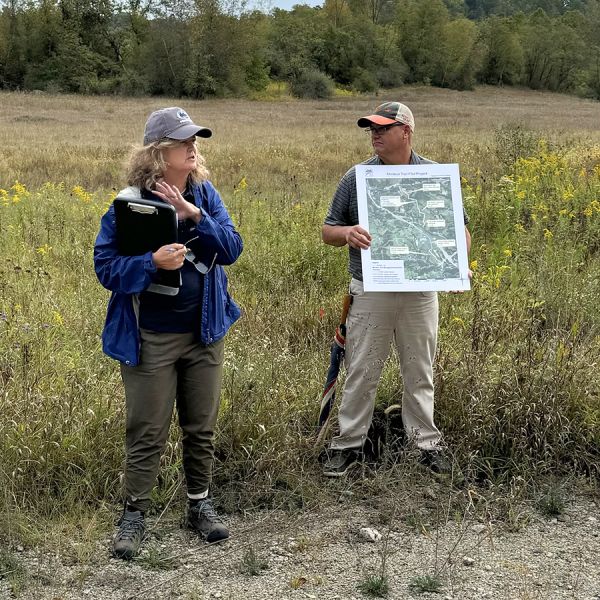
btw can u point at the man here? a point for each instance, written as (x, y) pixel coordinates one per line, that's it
(410, 319)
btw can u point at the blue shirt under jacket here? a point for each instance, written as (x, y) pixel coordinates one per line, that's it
(127, 276)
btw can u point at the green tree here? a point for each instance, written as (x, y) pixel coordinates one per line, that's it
(296, 40)
(460, 56)
(421, 32)
(13, 61)
(503, 55)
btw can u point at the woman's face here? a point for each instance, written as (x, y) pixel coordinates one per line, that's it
(182, 157)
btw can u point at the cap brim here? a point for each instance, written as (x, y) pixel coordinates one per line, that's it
(377, 119)
(187, 131)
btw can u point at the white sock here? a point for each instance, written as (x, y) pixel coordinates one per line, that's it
(198, 496)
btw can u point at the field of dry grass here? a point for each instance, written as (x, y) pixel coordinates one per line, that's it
(517, 386)
(83, 141)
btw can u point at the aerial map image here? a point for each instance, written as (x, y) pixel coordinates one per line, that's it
(412, 219)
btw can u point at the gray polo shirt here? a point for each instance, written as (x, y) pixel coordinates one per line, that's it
(344, 207)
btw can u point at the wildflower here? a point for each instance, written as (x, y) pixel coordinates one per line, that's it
(19, 189)
(458, 321)
(81, 194)
(57, 318)
(473, 265)
(507, 252)
(43, 250)
(548, 234)
(241, 186)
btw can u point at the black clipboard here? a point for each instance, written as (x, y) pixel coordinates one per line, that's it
(144, 226)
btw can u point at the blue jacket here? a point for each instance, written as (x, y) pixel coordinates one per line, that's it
(127, 276)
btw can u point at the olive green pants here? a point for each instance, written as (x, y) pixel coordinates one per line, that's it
(173, 368)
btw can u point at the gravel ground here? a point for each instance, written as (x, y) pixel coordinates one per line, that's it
(322, 554)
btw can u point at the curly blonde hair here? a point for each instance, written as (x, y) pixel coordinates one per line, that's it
(147, 165)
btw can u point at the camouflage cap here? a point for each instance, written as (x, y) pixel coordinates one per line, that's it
(172, 123)
(388, 113)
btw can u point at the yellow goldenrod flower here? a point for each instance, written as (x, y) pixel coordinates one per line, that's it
(19, 189)
(57, 318)
(81, 194)
(507, 252)
(241, 186)
(548, 234)
(43, 250)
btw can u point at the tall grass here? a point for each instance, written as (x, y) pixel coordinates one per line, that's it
(517, 383)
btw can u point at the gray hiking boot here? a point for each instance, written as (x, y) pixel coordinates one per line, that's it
(339, 462)
(204, 520)
(129, 536)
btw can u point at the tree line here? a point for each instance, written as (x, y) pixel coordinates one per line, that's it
(202, 48)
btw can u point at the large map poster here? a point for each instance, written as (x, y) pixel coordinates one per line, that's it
(415, 217)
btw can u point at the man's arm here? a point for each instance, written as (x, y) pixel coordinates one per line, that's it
(468, 236)
(340, 235)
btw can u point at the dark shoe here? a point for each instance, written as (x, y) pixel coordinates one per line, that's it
(130, 535)
(203, 519)
(439, 464)
(436, 461)
(339, 461)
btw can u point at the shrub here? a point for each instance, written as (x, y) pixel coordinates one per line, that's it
(364, 81)
(311, 83)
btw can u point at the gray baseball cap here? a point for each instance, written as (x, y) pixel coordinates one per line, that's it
(172, 123)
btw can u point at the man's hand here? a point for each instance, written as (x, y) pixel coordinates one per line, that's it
(357, 237)
(470, 276)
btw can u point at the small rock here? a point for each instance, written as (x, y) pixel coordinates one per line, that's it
(369, 535)
(429, 493)
(479, 528)
(468, 561)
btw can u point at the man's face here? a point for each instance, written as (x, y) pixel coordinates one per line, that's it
(389, 139)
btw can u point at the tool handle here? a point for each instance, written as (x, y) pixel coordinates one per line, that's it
(346, 308)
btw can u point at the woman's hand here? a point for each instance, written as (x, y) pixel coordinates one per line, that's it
(171, 194)
(169, 257)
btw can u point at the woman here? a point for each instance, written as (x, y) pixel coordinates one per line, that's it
(170, 346)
